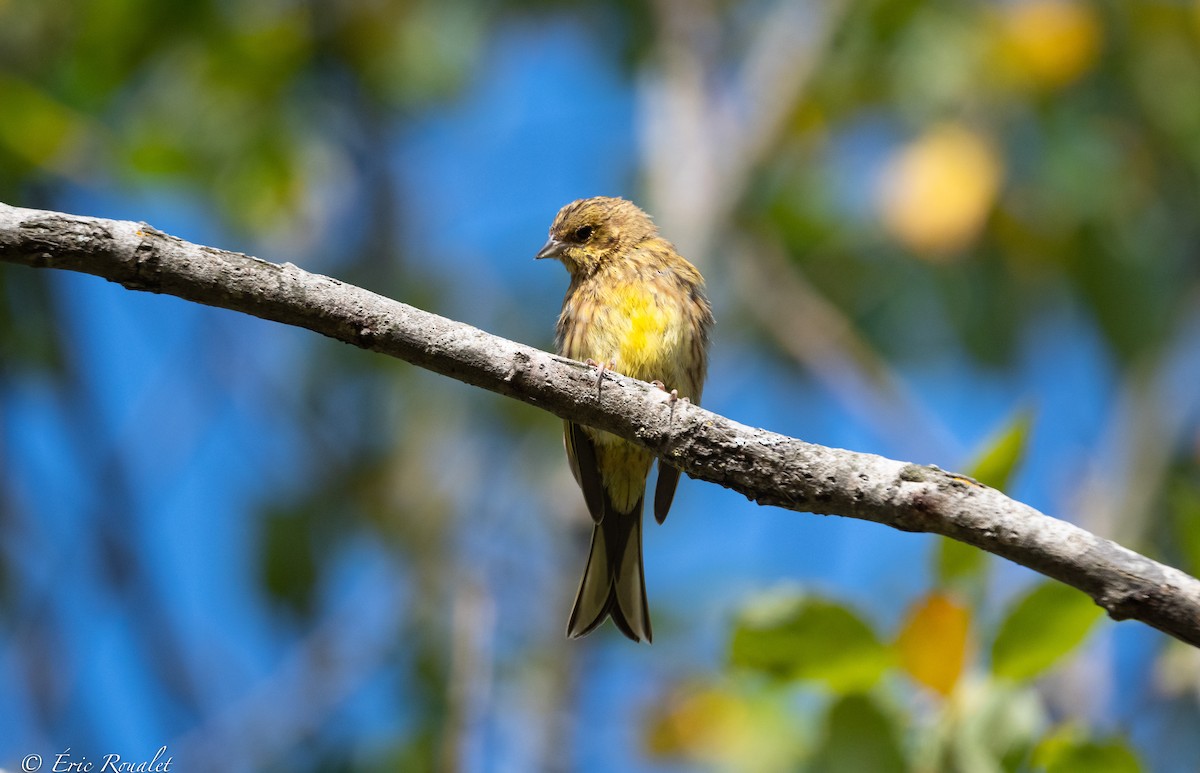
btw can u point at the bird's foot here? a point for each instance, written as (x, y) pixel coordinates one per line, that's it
(674, 392)
(601, 367)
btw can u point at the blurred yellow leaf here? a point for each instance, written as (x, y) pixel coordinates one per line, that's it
(933, 642)
(723, 726)
(697, 723)
(935, 193)
(1048, 43)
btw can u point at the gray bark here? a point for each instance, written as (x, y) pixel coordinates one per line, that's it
(766, 467)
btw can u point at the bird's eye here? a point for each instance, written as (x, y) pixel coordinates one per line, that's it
(583, 233)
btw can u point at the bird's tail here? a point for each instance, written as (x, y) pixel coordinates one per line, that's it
(614, 583)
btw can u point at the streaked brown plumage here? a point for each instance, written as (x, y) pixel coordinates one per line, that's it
(636, 306)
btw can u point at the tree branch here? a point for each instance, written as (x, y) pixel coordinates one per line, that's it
(766, 467)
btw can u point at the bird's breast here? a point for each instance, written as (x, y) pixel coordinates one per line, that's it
(636, 329)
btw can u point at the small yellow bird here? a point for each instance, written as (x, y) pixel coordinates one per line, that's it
(636, 307)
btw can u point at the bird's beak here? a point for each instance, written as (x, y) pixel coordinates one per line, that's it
(551, 249)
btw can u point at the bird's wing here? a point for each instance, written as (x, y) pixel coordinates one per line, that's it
(690, 383)
(581, 453)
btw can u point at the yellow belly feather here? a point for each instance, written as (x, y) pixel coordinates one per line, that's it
(640, 334)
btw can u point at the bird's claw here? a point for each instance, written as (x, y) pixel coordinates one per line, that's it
(601, 367)
(674, 393)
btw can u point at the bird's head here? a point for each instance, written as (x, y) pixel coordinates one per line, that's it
(590, 232)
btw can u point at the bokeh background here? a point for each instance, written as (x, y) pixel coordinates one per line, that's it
(959, 233)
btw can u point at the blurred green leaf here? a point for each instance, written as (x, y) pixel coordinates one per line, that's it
(995, 464)
(1041, 628)
(859, 736)
(29, 334)
(991, 727)
(799, 637)
(1183, 510)
(957, 561)
(1064, 751)
(289, 562)
(37, 127)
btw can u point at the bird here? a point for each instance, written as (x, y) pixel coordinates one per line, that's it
(636, 307)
